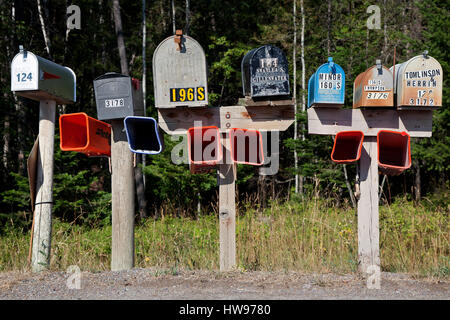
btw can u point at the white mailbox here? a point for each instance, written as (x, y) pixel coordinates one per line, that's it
(37, 78)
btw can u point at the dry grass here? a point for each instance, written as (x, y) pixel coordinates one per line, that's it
(294, 236)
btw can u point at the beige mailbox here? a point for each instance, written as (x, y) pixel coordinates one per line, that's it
(37, 78)
(418, 83)
(374, 87)
(179, 73)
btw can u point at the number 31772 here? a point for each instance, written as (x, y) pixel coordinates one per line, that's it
(187, 94)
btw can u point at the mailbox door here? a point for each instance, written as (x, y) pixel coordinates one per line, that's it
(311, 90)
(420, 83)
(180, 76)
(269, 72)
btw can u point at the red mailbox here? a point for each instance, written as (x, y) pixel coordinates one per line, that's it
(347, 146)
(394, 152)
(81, 133)
(204, 148)
(246, 146)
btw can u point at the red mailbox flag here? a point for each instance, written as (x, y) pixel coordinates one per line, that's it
(81, 133)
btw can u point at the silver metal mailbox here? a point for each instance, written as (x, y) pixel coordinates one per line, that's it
(418, 83)
(37, 78)
(179, 73)
(118, 96)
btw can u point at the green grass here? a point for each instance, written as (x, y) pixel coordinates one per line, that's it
(296, 236)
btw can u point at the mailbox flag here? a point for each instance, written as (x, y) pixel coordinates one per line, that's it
(81, 133)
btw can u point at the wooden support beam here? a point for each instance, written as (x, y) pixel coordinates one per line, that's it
(122, 185)
(329, 121)
(42, 229)
(179, 120)
(227, 208)
(368, 215)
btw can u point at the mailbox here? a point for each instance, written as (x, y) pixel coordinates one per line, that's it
(179, 73)
(347, 146)
(246, 146)
(143, 135)
(394, 151)
(204, 148)
(81, 133)
(418, 83)
(118, 96)
(326, 87)
(374, 88)
(37, 78)
(265, 73)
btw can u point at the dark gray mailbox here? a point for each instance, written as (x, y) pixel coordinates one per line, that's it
(265, 73)
(118, 96)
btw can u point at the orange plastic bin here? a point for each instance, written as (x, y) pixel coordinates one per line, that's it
(347, 146)
(204, 148)
(394, 152)
(81, 133)
(246, 146)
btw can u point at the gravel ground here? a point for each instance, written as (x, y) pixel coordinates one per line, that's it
(158, 284)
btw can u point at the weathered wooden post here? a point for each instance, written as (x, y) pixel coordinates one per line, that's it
(384, 129)
(118, 96)
(179, 71)
(39, 79)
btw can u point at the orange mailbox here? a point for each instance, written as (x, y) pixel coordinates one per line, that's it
(204, 148)
(81, 133)
(394, 151)
(246, 146)
(347, 146)
(374, 88)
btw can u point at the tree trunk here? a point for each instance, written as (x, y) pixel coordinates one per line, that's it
(44, 29)
(188, 18)
(294, 63)
(417, 180)
(138, 176)
(303, 81)
(173, 16)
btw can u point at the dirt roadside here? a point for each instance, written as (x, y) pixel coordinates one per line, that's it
(168, 284)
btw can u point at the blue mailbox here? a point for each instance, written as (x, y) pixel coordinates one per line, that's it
(326, 87)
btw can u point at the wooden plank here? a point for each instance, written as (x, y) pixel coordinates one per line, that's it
(272, 103)
(179, 120)
(42, 229)
(327, 121)
(368, 215)
(227, 209)
(122, 185)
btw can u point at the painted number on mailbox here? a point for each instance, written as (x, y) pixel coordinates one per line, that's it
(187, 94)
(114, 103)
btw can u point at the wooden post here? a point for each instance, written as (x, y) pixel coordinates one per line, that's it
(227, 208)
(42, 231)
(368, 227)
(122, 184)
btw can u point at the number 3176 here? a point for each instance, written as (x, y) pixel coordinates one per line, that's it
(187, 94)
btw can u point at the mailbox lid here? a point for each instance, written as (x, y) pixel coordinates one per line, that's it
(114, 96)
(328, 88)
(180, 76)
(37, 78)
(267, 72)
(419, 83)
(374, 88)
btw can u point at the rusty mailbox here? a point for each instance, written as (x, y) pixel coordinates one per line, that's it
(179, 73)
(326, 87)
(418, 83)
(265, 73)
(374, 87)
(37, 78)
(117, 96)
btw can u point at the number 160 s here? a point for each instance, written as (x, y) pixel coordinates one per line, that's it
(187, 94)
